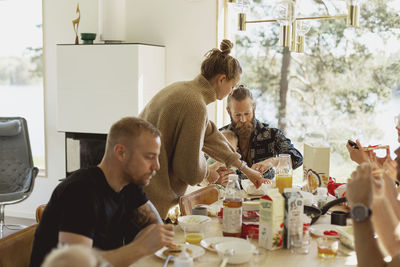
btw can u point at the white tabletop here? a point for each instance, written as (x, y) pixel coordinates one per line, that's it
(281, 257)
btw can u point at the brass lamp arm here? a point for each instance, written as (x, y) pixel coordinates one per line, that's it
(304, 18)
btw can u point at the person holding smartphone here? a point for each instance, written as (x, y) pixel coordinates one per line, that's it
(374, 210)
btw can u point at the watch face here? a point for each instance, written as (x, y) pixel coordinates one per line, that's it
(359, 213)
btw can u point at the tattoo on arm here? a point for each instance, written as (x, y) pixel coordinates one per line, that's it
(145, 215)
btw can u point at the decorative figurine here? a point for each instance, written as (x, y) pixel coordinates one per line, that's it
(75, 23)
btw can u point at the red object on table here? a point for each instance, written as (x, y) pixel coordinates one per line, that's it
(250, 230)
(332, 185)
(331, 233)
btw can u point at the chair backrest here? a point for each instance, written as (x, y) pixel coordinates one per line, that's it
(206, 195)
(16, 249)
(39, 212)
(17, 172)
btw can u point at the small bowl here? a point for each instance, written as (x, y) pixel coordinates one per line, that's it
(88, 37)
(192, 222)
(243, 251)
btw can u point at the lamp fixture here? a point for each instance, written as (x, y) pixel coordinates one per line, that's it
(293, 29)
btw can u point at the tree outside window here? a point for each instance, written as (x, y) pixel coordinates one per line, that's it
(345, 86)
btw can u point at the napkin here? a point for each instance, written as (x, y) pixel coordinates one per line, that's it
(250, 188)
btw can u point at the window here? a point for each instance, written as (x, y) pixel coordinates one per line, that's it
(345, 85)
(21, 78)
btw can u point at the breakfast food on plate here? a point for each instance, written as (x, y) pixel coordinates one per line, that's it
(175, 250)
(369, 148)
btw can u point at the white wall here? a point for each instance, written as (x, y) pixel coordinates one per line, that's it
(187, 28)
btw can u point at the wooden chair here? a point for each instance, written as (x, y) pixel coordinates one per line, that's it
(39, 212)
(206, 195)
(16, 249)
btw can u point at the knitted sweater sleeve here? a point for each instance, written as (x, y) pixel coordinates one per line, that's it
(217, 147)
(189, 163)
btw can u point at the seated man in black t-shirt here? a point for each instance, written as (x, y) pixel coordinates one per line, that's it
(104, 206)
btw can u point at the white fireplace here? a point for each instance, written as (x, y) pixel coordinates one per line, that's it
(99, 84)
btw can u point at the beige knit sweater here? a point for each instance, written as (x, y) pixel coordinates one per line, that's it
(179, 112)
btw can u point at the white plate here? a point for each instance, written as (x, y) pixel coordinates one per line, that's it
(347, 236)
(210, 242)
(319, 229)
(196, 252)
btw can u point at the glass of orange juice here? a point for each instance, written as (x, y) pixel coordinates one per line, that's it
(284, 172)
(194, 234)
(327, 247)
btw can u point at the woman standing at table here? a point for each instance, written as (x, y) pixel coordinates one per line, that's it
(179, 111)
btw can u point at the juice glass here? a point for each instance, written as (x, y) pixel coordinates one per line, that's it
(194, 235)
(284, 172)
(327, 247)
(283, 182)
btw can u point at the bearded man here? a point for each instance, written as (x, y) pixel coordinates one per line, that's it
(259, 144)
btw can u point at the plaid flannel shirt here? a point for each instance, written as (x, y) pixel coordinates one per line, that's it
(269, 142)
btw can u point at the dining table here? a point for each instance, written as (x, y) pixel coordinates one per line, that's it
(262, 257)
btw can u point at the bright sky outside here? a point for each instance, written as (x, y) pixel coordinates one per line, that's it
(18, 20)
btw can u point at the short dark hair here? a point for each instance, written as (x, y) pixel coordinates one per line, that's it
(129, 129)
(240, 94)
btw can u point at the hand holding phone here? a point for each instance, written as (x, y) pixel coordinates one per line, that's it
(352, 144)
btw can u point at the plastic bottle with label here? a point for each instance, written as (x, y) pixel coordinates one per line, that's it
(232, 210)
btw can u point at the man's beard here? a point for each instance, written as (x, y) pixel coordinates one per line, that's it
(243, 129)
(149, 176)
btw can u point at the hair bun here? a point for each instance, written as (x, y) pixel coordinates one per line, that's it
(226, 46)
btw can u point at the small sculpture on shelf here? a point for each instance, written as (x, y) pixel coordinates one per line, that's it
(75, 24)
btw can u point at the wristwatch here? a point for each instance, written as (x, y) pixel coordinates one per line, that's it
(242, 165)
(359, 212)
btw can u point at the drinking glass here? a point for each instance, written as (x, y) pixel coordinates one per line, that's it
(194, 235)
(327, 247)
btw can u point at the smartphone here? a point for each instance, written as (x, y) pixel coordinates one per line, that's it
(353, 144)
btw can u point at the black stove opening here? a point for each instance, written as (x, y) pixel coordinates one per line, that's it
(83, 150)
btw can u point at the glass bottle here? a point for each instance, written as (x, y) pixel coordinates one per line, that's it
(232, 208)
(284, 172)
(322, 195)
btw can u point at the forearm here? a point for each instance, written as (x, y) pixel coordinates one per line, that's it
(241, 167)
(271, 161)
(385, 223)
(124, 256)
(368, 252)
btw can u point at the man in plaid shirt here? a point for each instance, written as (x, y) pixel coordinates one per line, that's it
(259, 144)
